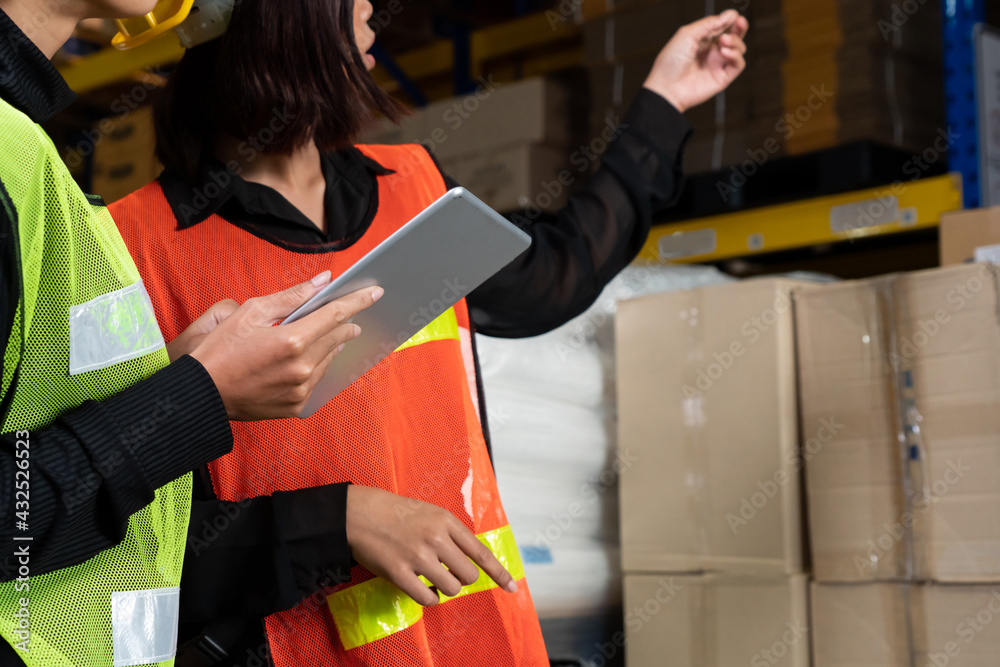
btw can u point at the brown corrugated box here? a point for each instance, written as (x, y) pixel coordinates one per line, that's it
(913, 359)
(716, 621)
(521, 177)
(124, 155)
(707, 405)
(498, 115)
(962, 232)
(901, 625)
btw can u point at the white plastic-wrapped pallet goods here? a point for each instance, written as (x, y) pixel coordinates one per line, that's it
(551, 406)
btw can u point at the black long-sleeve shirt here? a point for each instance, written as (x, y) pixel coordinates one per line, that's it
(80, 507)
(267, 561)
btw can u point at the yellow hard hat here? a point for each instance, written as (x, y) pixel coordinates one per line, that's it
(195, 21)
(167, 15)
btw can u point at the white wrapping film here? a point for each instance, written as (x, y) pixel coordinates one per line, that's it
(113, 328)
(144, 625)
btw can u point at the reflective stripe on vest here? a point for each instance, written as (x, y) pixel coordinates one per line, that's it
(376, 608)
(444, 327)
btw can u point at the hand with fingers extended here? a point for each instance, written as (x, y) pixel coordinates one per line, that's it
(701, 60)
(268, 372)
(401, 539)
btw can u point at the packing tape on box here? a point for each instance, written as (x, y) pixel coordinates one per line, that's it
(853, 475)
(907, 420)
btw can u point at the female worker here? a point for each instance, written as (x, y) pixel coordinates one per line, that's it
(95, 496)
(263, 183)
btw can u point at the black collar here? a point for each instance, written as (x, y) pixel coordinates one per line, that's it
(28, 81)
(216, 186)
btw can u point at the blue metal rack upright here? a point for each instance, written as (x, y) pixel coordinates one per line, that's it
(960, 18)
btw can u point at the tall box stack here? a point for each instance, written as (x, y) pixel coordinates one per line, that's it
(903, 498)
(862, 70)
(511, 144)
(619, 51)
(819, 74)
(708, 412)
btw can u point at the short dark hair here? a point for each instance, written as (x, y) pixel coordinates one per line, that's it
(294, 60)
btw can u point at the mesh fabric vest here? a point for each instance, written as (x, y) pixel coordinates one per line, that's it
(409, 426)
(71, 255)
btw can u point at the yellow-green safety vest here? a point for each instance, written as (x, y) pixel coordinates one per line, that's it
(84, 330)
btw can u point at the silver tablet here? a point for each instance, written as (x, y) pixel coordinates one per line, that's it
(426, 267)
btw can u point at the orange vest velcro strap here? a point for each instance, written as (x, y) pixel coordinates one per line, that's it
(375, 609)
(444, 327)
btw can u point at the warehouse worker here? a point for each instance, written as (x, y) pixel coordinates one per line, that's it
(95, 496)
(410, 435)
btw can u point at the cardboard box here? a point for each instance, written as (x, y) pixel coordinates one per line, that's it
(124, 155)
(499, 115)
(707, 406)
(860, 625)
(705, 620)
(521, 177)
(853, 461)
(900, 625)
(914, 359)
(963, 233)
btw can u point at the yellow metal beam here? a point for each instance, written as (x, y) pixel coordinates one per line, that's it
(111, 65)
(536, 30)
(891, 209)
(520, 34)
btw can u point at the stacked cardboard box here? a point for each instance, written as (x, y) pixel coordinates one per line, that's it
(514, 145)
(124, 157)
(707, 407)
(903, 499)
(619, 51)
(904, 624)
(968, 236)
(878, 66)
(819, 74)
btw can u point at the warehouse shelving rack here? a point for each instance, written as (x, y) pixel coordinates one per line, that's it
(538, 43)
(959, 20)
(880, 211)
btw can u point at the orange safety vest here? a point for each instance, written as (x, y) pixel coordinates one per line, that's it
(409, 426)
